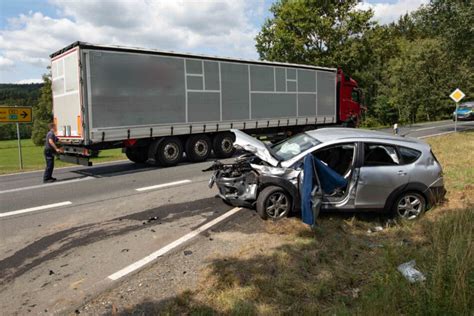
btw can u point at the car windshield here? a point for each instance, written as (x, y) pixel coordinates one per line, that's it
(293, 146)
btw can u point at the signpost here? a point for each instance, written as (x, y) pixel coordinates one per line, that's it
(14, 114)
(457, 95)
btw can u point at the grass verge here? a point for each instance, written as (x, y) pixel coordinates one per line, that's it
(342, 269)
(33, 156)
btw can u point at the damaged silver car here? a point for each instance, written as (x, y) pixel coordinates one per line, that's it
(357, 170)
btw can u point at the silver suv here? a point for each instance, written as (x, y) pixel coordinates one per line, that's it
(375, 172)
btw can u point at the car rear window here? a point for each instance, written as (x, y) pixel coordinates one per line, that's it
(408, 155)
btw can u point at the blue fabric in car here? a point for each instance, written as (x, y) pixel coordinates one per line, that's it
(308, 183)
(330, 179)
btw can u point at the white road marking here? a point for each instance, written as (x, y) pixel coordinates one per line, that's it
(438, 134)
(164, 185)
(45, 185)
(438, 126)
(140, 263)
(34, 209)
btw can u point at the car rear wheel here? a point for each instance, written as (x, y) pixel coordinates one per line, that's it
(409, 205)
(274, 203)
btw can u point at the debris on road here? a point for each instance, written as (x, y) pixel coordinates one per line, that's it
(408, 270)
(125, 250)
(188, 252)
(375, 229)
(154, 218)
(51, 272)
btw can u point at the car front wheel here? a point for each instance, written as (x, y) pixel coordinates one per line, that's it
(409, 205)
(274, 203)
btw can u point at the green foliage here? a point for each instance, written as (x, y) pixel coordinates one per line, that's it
(43, 112)
(312, 31)
(406, 69)
(17, 95)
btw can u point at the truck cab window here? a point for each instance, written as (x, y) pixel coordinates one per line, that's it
(355, 95)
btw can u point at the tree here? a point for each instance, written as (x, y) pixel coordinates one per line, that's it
(43, 112)
(312, 31)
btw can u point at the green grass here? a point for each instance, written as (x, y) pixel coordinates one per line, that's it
(33, 158)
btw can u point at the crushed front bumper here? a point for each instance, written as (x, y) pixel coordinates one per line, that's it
(238, 191)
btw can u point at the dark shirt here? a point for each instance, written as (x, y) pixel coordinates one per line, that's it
(47, 145)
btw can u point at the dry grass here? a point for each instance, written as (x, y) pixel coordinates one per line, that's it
(342, 269)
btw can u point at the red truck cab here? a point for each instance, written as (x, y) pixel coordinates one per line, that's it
(349, 100)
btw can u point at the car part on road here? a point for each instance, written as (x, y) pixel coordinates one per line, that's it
(410, 205)
(198, 147)
(408, 270)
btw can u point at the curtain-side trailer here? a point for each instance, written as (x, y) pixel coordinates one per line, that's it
(159, 105)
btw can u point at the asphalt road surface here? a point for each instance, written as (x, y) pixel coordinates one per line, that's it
(63, 243)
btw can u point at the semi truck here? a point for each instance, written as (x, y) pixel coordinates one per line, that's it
(163, 106)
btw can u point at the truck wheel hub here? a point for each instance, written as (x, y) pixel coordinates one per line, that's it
(171, 151)
(201, 148)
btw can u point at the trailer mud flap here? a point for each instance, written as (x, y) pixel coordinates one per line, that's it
(78, 160)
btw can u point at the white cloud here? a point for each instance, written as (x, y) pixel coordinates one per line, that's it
(5, 63)
(389, 12)
(221, 27)
(28, 81)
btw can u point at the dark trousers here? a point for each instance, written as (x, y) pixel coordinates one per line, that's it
(48, 172)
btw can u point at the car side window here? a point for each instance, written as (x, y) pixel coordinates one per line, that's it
(380, 155)
(339, 158)
(408, 155)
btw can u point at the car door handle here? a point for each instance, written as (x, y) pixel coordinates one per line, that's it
(401, 173)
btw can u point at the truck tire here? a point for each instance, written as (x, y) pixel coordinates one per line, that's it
(137, 154)
(169, 152)
(223, 145)
(198, 147)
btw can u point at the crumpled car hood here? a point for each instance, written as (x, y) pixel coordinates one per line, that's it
(254, 146)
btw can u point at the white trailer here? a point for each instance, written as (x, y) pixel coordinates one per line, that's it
(158, 105)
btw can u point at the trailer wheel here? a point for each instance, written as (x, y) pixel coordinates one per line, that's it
(137, 155)
(169, 152)
(223, 145)
(198, 147)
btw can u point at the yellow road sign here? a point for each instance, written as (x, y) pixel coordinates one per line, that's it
(16, 114)
(457, 95)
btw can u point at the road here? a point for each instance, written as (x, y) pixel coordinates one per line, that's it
(65, 242)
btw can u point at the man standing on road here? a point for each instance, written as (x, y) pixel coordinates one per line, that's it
(50, 149)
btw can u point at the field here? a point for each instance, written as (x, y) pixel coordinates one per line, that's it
(342, 269)
(33, 156)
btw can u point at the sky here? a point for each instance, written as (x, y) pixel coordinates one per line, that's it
(30, 30)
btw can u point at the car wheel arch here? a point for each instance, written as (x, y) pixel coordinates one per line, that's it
(266, 181)
(415, 187)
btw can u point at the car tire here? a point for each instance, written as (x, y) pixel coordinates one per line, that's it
(137, 155)
(409, 205)
(198, 148)
(274, 203)
(169, 152)
(223, 145)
